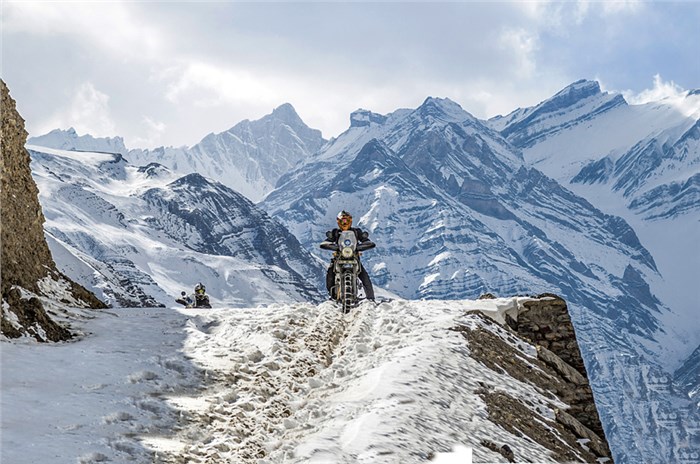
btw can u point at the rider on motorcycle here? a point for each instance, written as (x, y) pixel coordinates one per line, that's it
(344, 220)
(201, 299)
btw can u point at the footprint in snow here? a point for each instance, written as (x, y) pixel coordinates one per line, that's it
(94, 387)
(117, 417)
(93, 457)
(143, 376)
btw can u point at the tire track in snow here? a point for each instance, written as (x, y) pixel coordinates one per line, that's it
(267, 361)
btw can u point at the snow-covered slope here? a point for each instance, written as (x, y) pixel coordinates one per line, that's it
(138, 235)
(585, 136)
(400, 382)
(641, 162)
(686, 377)
(70, 140)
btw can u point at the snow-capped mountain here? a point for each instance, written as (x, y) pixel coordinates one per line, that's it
(213, 219)
(70, 140)
(641, 162)
(456, 212)
(648, 153)
(249, 157)
(138, 235)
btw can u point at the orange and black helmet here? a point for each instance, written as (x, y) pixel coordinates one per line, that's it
(344, 220)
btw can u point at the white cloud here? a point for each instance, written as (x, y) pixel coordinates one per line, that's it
(668, 92)
(661, 90)
(112, 26)
(196, 68)
(88, 113)
(557, 16)
(621, 6)
(523, 44)
(211, 85)
(154, 134)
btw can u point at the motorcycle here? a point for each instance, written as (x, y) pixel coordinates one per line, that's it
(346, 266)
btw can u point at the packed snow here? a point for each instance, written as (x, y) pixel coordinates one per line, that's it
(279, 383)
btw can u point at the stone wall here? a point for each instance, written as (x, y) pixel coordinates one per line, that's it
(25, 258)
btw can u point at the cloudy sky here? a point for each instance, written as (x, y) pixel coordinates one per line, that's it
(160, 73)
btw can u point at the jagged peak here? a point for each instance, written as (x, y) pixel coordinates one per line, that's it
(286, 112)
(576, 92)
(582, 84)
(72, 133)
(443, 108)
(362, 118)
(69, 139)
(194, 178)
(372, 147)
(441, 102)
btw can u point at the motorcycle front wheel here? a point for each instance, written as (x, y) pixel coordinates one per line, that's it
(347, 292)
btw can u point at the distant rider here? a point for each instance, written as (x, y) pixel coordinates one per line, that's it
(344, 220)
(201, 299)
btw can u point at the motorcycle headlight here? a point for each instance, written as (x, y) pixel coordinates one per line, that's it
(346, 252)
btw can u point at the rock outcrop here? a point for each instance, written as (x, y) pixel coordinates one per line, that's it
(27, 269)
(559, 369)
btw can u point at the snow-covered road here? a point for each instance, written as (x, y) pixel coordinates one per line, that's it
(298, 383)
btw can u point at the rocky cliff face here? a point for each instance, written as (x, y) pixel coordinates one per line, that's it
(28, 270)
(545, 323)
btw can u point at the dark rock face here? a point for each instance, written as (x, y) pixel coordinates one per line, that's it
(363, 118)
(26, 259)
(210, 218)
(534, 124)
(685, 378)
(683, 196)
(24, 252)
(560, 370)
(547, 324)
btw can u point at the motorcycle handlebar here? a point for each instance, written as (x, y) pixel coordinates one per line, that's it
(364, 246)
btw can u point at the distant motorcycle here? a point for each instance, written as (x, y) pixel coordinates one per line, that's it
(346, 262)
